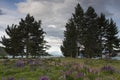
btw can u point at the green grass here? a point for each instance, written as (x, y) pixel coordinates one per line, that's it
(57, 68)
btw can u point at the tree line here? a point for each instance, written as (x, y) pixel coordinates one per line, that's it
(90, 34)
(86, 32)
(25, 39)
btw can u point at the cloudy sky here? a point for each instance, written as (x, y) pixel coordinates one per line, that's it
(54, 14)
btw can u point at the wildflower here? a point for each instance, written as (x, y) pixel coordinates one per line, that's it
(79, 75)
(108, 69)
(44, 78)
(30, 61)
(20, 63)
(12, 78)
(67, 73)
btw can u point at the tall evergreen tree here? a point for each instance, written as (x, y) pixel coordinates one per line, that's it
(12, 44)
(69, 47)
(73, 28)
(25, 39)
(95, 33)
(112, 40)
(91, 34)
(103, 25)
(108, 34)
(32, 36)
(78, 18)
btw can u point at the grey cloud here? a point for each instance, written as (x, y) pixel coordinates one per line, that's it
(100, 6)
(115, 4)
(2, 28)
(55, 32)
(57, 12)
(53, 1)
(1, 12)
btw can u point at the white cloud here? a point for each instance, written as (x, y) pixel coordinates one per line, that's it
(51, 26)
(35, 8)
(55, 43)
(54, 12)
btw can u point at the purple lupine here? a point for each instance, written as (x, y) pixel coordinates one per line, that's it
(44, 78)
(30, 61)
(67, 73)
(108, 68)
(34, 62)
(79, 75)
(20, 63)
(12, 78)
(90, 70)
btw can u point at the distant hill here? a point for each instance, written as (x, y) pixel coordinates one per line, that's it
(2, 52)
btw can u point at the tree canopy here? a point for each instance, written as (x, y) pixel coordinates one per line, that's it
(92, 31)
(27, 38)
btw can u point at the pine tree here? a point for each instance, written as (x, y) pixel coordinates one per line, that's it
(112, 40)
(91, 34)
(12, 44)
(103, 25)
(74, 33)
(69, 47)
(25, 27)
(78, 18)
(95, 33)
(25, 39)
(32, 36)
(37, 42)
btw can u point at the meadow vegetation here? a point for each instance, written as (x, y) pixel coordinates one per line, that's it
(59, 69)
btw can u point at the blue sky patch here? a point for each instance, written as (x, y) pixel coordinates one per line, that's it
(9, 4)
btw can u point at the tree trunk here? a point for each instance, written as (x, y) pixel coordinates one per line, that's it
(13, 56)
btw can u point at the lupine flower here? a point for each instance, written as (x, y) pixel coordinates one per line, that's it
(79, 75)
(30, 61)
(12, 78)
(67, 73)
(20, 63)
(44, 78)
(108, 68)
(90, 70)
(34, 62)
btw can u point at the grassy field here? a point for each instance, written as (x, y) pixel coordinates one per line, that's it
(59, 69)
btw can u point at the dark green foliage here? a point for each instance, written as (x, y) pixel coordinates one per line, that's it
(112, 37)
(108, 35)
(102, 24)
(33, 36)
(25, 39)
(95, 33)
(91, 34)
(73, 28)
(70, 39)
(13, 43)
(3, 53)
(78, 18)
